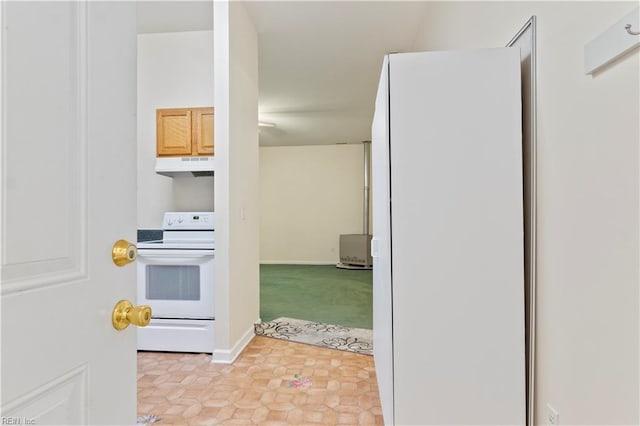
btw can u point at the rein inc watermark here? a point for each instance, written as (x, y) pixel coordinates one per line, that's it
(17, 421)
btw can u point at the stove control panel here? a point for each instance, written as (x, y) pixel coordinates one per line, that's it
(188, 220)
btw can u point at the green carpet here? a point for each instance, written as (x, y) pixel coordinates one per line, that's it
(316, 293)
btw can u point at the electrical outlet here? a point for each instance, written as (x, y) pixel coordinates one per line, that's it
(553, 418)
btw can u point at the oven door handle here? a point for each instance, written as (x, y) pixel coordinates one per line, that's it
(172, 260)
(173, 257)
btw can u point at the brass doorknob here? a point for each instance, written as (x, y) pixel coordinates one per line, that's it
(124, 314)
(123, 252)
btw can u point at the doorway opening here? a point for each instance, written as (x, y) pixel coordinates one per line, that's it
(311, 198)
(175, 76)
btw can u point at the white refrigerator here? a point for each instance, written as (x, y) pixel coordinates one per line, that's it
(448, 272)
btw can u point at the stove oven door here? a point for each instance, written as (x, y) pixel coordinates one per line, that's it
(177, 284)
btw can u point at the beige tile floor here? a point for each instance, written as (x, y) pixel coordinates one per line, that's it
(260, 387)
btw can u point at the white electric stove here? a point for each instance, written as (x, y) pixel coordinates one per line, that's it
(176, 278)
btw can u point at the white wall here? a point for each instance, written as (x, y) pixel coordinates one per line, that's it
(174, 70)
(309, 195)
(588, 136)
(237, 205)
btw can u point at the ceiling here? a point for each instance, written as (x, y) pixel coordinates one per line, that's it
(319, 62)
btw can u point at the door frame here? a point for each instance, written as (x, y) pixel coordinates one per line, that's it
(525, 39)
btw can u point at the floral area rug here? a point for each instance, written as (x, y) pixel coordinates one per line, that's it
(330, 336)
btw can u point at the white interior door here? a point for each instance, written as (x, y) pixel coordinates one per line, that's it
(457, 237)
(448, 249)
(68, 193)
(381, 247)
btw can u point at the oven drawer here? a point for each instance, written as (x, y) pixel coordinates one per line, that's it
(177, 335)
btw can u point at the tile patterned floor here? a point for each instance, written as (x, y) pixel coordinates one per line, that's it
(273, 382)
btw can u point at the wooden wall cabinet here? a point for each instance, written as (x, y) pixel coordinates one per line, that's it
(184, 131)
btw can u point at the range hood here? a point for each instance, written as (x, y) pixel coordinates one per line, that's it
(185, 166)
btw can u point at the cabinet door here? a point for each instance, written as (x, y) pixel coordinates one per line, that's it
(173, 132)
(203, 131)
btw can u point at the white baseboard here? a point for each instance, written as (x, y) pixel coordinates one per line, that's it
(228, 356)
(299, 262)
